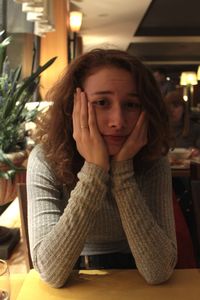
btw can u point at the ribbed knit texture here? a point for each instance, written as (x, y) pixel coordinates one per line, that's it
(104, 213)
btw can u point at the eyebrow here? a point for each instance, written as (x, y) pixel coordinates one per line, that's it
(133, 94)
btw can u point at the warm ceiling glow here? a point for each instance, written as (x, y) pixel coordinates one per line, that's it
(75, 20)
(188, 78)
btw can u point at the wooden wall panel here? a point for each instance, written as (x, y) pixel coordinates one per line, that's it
(54, 44)
(27, 54)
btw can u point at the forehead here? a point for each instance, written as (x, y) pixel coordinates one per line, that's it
(110, 76)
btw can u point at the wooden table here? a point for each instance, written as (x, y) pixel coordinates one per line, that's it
(189, 169)
(114, 285)
(16, 282)
(180, 172)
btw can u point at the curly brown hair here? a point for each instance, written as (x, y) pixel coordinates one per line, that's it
(55, 130)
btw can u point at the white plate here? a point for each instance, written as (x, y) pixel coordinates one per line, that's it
(179, 153)
(180, 167)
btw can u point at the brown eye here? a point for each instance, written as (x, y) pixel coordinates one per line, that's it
(101, 103)
(133, 105)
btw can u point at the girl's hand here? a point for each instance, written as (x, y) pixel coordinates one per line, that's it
(136, 140)
(88, 139)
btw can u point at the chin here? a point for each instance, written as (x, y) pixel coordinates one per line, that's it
(113, 150)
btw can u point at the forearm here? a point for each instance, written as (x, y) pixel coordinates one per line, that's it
(56, 249)
(152, 243)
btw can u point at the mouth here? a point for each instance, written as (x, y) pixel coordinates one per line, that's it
(115, 139)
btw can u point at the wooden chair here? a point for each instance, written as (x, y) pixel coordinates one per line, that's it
(22, 196)
(186, 252)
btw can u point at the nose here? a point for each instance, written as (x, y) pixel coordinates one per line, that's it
(116, 118)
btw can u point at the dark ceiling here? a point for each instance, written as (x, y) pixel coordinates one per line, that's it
(169, 35)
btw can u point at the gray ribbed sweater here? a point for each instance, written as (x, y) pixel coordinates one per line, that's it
(104, 213)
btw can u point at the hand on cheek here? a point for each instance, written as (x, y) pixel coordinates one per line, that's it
(86, 134)
(136, 140)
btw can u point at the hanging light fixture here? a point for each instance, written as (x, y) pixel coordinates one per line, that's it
(198, 73)
(75, 22)
(188, 80)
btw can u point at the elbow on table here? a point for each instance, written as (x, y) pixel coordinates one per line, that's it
(158, 274)
(158, 280)
(54, 279)
(158, 277)
(55, 282)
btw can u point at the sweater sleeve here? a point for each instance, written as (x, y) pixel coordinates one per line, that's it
(58, 226)
(146, 211)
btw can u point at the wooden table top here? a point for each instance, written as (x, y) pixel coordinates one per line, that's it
(16, 282)
(180, 172)
(114, 284)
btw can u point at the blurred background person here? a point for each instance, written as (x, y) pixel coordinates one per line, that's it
(165, 85)
(185, 133)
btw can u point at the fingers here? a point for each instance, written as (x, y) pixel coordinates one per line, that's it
(92, 120)
(80, 112)
(83, 111)
(141, 120)
(141, 126)
(83, 114)
(144, 126)
(89, 142)
(75, 114)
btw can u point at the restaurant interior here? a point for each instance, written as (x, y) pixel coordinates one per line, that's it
(164, 34)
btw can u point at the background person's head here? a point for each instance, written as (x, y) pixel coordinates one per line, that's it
(178, 110)
(159, 75)
(164, 83)
(57, 127)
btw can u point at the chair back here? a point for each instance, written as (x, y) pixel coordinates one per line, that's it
(186, 252)
(195, 187)
(22, 196)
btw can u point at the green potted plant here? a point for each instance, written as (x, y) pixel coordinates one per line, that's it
(15, 93)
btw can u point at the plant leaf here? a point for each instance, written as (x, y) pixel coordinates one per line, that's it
(30, 79)
(10, 100)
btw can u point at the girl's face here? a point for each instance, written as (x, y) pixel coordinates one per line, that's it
(113, 93)
(176, 112)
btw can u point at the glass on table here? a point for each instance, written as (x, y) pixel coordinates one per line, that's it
(4, 281)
